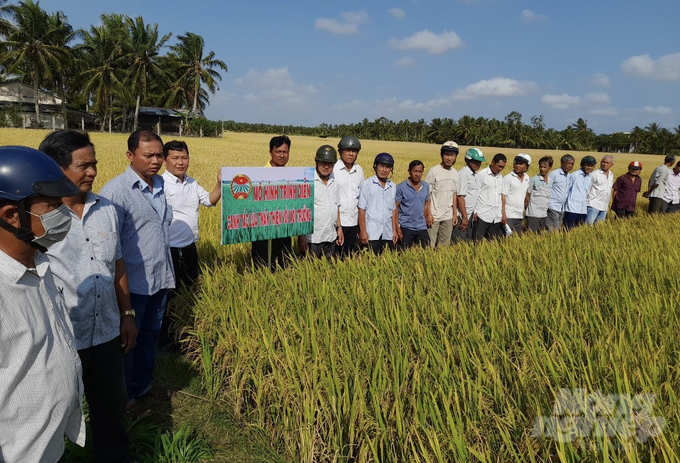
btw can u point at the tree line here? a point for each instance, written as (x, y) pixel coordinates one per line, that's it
(124, 63)
(111, 69)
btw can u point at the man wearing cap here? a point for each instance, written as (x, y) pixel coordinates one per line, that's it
(349, 176)
(626, 188)
(657, 184)
(600, 191)
(88, 266)
(378, 225)
(578, 185)
(558, 194)
(443, 180)
(467, 193)
(538, 194)
(489, 208)
(40, 381)
(513, 199)
(671, 201)
(327, 226)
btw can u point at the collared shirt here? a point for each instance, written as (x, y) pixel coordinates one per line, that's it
(600, 190)
(41, 390)
(467, 187)
(577, 196)
(515, 192)
(84, 267)
(659, 177)
(489, 207)
(443, 185)
(558, 195)
(326, 202)
(412, 205)
(672, 186)
(184, 197)
(539, 193)
(349, 183)
(626, 187)
(378, 202)
(154, 197)
(144, 235)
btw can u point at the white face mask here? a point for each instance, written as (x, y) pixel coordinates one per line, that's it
(56, 223)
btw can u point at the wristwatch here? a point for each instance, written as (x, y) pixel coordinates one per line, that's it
(129, 312)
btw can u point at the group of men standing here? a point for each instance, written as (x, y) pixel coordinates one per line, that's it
(84, 314)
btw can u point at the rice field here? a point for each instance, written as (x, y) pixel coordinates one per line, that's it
(453, 355)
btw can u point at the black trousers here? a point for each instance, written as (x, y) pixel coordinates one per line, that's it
(655, 205)
(414, 238)
(104, 382)
(282, 249)
(378, 246)
(325, 249)
(623, 213)
(485, 230)
(185, 263)
(351, 244)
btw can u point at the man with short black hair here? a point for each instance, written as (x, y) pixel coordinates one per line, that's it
(489, 210)
(671, 198)
(578, 185)
(412, 200)
(514, 197)
(88, 266)
(558, 194)
(600, 191)
(144, 219)
(657, 184)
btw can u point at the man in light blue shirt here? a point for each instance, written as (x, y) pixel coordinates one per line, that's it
(558, 195)
(89, 270)
(144, 220)
(578, 186)
(412, 200)
(378, 227)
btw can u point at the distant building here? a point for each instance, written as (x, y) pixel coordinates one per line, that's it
(150, 117)
(19, 98)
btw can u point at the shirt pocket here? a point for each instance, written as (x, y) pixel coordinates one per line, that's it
(104, 244)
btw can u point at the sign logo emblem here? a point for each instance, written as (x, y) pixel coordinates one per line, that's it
(241, 186)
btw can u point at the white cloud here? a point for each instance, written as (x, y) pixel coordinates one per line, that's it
(529, 16)
(275, 85)
(601, 80)
(498, 86)
(397, 13)
(660, 110)
(405, 61)
(563, 101)
(426, 40)
(334, 27)
(352, 19)
(665, 68)
(597, 98)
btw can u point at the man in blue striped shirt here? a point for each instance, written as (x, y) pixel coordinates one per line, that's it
(89, 268)
(144, 220)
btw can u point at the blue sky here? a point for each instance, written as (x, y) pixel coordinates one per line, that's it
(615, 63)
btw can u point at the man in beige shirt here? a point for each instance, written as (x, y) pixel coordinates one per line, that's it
(442, 214)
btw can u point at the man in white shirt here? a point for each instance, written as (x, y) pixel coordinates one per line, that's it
(657, 184)
(41, 389)
(467, 194)
(489, 210)
(184, 195)
(514, 197)
(600, 191)
(443, 213)
(327, 226)
(349, 176)
(671, 198)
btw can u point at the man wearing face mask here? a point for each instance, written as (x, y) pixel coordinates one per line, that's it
(40, 381)
(89, 267)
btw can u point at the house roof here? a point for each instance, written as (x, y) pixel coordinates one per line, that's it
(153, 111)
(15, 91)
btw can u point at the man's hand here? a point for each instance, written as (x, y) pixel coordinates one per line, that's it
(464, 224)
(341, 237)
(454, 221)
(363, 237)
(128, 333)
(504, 219)
(429, 220)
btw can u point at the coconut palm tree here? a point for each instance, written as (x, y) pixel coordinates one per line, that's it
(34, 47)
(143, 49)
(195, 68)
